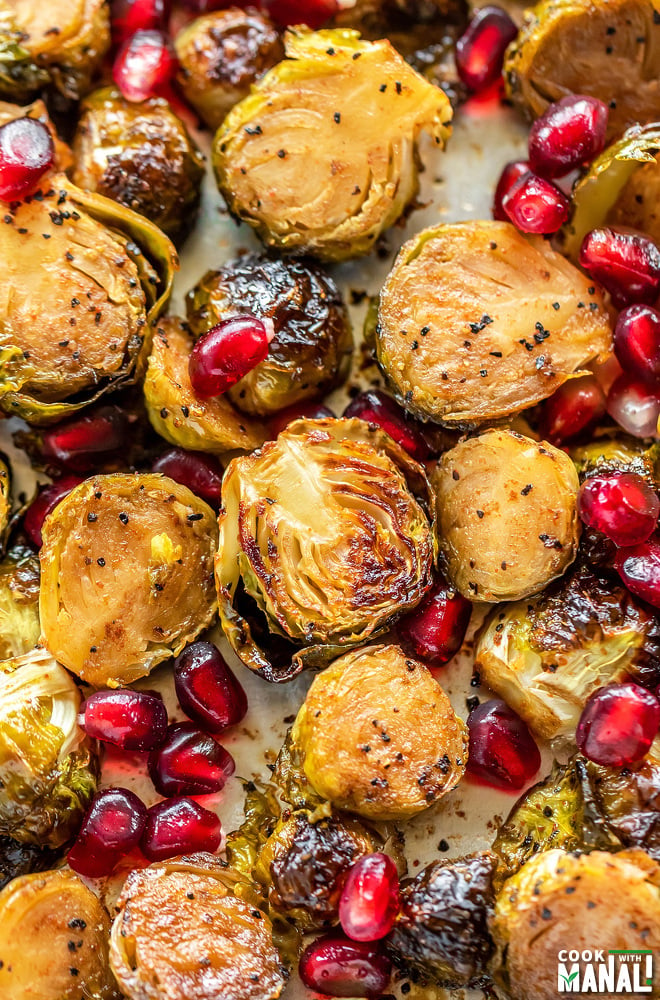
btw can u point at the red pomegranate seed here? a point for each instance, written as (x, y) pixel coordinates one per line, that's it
(199, 472)
(78, 444)
(626, 263)
(190, 762)
(435, 630)
(145, 66)
(207, 690)
(618, 725)
(639, 568)
(624, 507)
(534, 205)
(224, 355)
(376, 407)
(338, 967)
(131, 720)
(511, 173)
(313, 13)
(502, 751)
(129, 16)
(111, 829)
(635, 406)
(308, 411)
(575, 407)
(569, 133)
(27, 151)
(179, 826)
(46, 501)
(480, 49)
(637, 342)
(370, 898)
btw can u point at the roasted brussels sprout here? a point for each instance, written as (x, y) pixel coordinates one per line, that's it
(84, 278)
(311, 351)
(567, 901)
(141, 156)
(221, 55)
(23, 859)
(617, 452)
(47, 770)
(320, 529)
(608, 49)
(54, 940)
(127, 576)
(19, 602)
(378, 735)
(477, 322)
(441, 932)
(506, 515)
(188, 928)
(320, 158)
(547, 655)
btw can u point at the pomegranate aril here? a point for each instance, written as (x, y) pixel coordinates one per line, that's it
(572, 409)
(224, 355)
(310, 411)
(618, 725)
(131, 720)
(27, 151)
(376, 407)
(145, 66)
(129, 16)
(78, 444)
(206, 688)
(190, 762)
(313, 13)
(511, 173)
(179, 826)
(623, 507)
(199, 472)
(639, 568)
(370, 898)
(111, 829)
(569, 133)
(338, 967)
(502, 751)
(534, 205)
(637, 342)
(626, 263)
(435, 630)
(480, 49)
(635, 406)
(46, 501)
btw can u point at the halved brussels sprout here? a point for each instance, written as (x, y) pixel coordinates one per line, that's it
(321, 530)
(379, 735)
(616, 452)
(609, 49)
(54, 940)
(478, 322)
(48, 772)
(84, 279)
(321, 157)
(19, 602)
(311, 351)
(221, 55)
(189, 928)
(212, 425)
(507, 518)
(127, 576)
(37, 110)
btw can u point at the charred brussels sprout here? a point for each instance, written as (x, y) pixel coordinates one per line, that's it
(19, 602)
(311, 351)
(546, 656)
(47, 771)
(506, 515)
(378, 735)
(189, 928)
(624, 802)
(618, 453)
(442, 928)
(477, 322)
(321, 157)
(141, 156)
(221, 55)
(54, 940)
(321, 531)
(23, 859)
(77, 308)
(608, 49)
(127, 576)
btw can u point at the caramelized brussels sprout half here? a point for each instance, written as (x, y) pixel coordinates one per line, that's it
(321, 530)
(379, 735)
(189, 928)
(54, 940)
(37, 110)
(560, 900)
(140, 155)
(608, 49)
(19, 602)
(311, 352)
(477, 322)
(547, 655)
(617, 452)
(624, 802)
(47, 770)
(507, 519)
(84, 279)
(221, 55)
(321, 157)
(127, 576)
